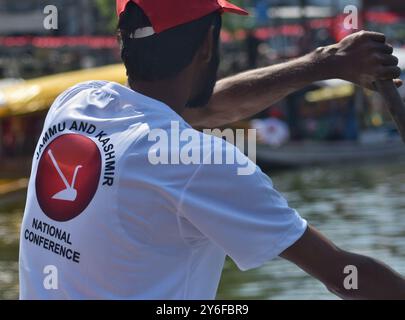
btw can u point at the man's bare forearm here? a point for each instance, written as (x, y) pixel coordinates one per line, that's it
(375, 279)
(361, 58)
(322, 259)
(248, 93)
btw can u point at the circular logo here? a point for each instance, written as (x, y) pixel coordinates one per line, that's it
(67, 177)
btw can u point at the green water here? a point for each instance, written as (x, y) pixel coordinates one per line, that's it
(10, 219)
(361, 208)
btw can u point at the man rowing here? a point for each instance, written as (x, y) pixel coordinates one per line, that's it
(162, 231)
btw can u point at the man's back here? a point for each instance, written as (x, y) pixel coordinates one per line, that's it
(97, 210)
(104, 220)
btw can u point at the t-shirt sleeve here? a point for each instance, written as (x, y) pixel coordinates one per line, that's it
(243, 214)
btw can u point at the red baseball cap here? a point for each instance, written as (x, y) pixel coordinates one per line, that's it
(166, 14)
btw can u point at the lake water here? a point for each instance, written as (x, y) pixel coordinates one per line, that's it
(360, 208)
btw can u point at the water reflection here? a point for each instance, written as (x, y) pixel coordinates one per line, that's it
(10, 219)
(360, 208)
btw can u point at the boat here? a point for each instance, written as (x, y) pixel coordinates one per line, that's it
(372, 145)
(38, 94)
(12, 190)
(302, 154)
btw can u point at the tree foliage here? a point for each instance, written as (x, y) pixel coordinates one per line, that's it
(108, 11)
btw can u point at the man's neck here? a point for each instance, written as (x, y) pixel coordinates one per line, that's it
(172, 93)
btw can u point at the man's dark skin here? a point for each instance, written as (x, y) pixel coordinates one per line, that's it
(361, 58)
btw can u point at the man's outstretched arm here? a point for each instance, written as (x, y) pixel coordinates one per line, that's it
(361, 58)
(320, 258)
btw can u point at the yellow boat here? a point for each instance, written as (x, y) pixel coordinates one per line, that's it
(38, 94)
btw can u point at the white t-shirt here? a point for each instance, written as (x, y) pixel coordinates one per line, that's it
(102, 221)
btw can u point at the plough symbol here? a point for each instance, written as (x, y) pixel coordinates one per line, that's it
(70, 193)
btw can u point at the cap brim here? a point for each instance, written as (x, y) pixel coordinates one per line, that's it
(231, 8)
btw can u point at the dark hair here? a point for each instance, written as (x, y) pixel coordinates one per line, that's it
(163, 55)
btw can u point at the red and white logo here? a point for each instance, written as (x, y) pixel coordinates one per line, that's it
(68, 176)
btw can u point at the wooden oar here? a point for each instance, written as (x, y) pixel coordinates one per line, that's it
(394, 103)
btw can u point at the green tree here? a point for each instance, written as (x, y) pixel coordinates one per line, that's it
(233, 22)
(108, 10)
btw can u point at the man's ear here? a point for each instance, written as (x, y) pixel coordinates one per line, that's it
(207, 46)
